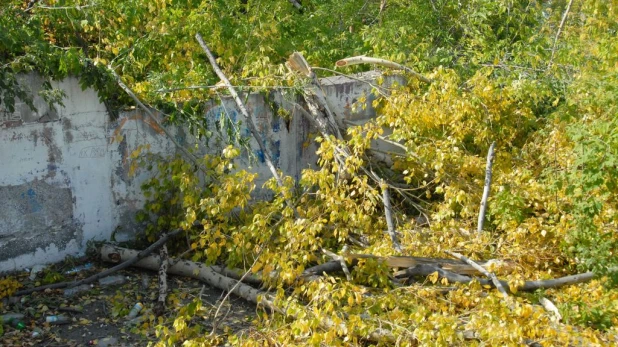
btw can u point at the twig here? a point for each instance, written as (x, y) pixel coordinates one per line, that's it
(238, 283)
(369, 60)
(486, 189)
(245, 113)
(481, 269)
(564, 17)
(341, 261)
(388, 212)
(107, 272)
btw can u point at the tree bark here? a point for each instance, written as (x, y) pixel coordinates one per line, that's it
(159, 308)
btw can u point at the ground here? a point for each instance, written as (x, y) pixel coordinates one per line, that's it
(104, 309)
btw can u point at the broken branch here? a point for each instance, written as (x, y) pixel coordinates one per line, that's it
(486, 189)
(528, 286)
(388, 212)
(341, 261)
(481, 269)
(361, 59)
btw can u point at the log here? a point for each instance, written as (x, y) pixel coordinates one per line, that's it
(237, 274)
(193, 270)
(105, 273)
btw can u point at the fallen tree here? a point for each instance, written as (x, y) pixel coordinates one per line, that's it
(209, 276)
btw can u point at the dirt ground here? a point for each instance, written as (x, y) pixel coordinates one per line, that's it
(104, 310)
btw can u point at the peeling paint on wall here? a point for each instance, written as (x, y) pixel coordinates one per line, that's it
(35, 215)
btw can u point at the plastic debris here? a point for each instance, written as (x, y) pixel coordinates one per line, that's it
(58, 320)
(135, 310)
(112, 280)
(106, 342)
(37, 332)
(35, 270)
(15, 322)
(13, 319)
(79, 268)
(75, 290)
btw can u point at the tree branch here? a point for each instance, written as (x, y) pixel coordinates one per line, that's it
(382, 62)
(388, 212)
(487, 188)
(481, 269)
(245, 113)
(564, 17)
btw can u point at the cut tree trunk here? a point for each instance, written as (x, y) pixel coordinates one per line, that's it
(193, 270)
(107, 272)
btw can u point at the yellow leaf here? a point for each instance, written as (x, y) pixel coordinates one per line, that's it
(433, 278)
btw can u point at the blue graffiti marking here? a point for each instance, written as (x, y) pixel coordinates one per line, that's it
(260, 155)
(33, 205)
(275, 148)
(276, 125)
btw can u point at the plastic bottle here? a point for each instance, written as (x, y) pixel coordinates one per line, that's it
(14, 320)
(106, 342)
(79, 268)
(7, 316)
(37, 332)
(75, 290)
(135, 310)
(58, 320)
(112, 280)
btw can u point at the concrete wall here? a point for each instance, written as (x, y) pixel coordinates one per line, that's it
(64, 172)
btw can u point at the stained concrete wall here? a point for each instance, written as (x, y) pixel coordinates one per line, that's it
(64, 171)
